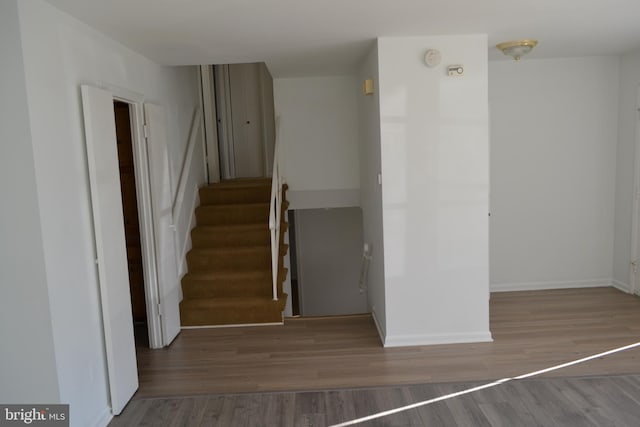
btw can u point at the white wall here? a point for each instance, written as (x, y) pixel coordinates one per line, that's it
(319, 137)
(553, 160)
(628, 119)
(435, 185)
(27, 359)
(370, 190)
(61, 53)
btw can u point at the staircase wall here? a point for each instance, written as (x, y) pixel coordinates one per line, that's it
(60, 53)
(319, 137)
(191, 177)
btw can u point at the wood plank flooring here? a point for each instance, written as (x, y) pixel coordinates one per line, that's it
(531, 331)
(584, 402)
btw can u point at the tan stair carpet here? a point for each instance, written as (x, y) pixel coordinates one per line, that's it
(229, 280)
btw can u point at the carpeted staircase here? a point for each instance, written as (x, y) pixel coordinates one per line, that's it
(229, 280)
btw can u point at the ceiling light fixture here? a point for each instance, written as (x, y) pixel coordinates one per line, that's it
(517, 48)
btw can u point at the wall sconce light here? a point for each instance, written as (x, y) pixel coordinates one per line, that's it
(517, 48)
(367, 87)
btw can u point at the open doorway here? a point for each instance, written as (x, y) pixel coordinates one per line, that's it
(124, 138)
(245, 118)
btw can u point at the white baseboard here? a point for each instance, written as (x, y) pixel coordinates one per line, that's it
(104, 419)
(381, 334)
(624, 287)
(538, 286)
(432, 339)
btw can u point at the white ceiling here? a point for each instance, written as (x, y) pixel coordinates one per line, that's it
(322, 37)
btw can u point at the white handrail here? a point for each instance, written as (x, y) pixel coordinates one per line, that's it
(275, 212)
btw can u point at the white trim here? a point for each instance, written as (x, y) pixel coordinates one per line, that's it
(240, 325)
(634, 278)
(186, 247)
(209, 124)
(104, 418)
(381, 334)
(538, 286)
(320, 199)
(432, 339)
(299, 255)
(286, 263)
(145, 215)
(624, 287)
(225, 128)
(181, 205)
(185, 167)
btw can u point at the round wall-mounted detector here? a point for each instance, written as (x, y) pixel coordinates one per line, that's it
(432, 57)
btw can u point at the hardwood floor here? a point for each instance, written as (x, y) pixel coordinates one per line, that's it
(583, 402)
(531, 330)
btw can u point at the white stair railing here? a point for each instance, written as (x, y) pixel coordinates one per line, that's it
(275, 212)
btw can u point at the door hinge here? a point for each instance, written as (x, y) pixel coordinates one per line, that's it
(159, 309)
(146, 131)
(634, 265)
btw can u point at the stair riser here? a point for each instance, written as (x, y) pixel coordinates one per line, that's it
(229, 316)
(193, 289)
(228, 261)
(231, 215)
(196, 287)
(195, 313)
(213, 196)
(211, 239)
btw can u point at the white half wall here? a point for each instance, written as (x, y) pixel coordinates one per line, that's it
(627, 145)
(435, 190)
(319, 136)
(60, 53)
(27, 361)
(553, 167)
(370, 189)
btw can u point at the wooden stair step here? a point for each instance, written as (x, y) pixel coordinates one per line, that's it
(252, 192)
(231, 311)
(229, 284)
(230, 235)
(225, 259)
(230, 214)
(243, 182)
(229, 278)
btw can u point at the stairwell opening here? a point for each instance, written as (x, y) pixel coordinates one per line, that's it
(326, 260)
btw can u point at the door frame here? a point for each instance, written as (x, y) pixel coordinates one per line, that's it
(209, 116)
(145, 213)
(634, 266)
(225, 124)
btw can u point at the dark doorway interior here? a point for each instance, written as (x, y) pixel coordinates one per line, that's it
(131, 221)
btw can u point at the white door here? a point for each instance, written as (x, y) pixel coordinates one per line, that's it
(113, 275)
(162, 200)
